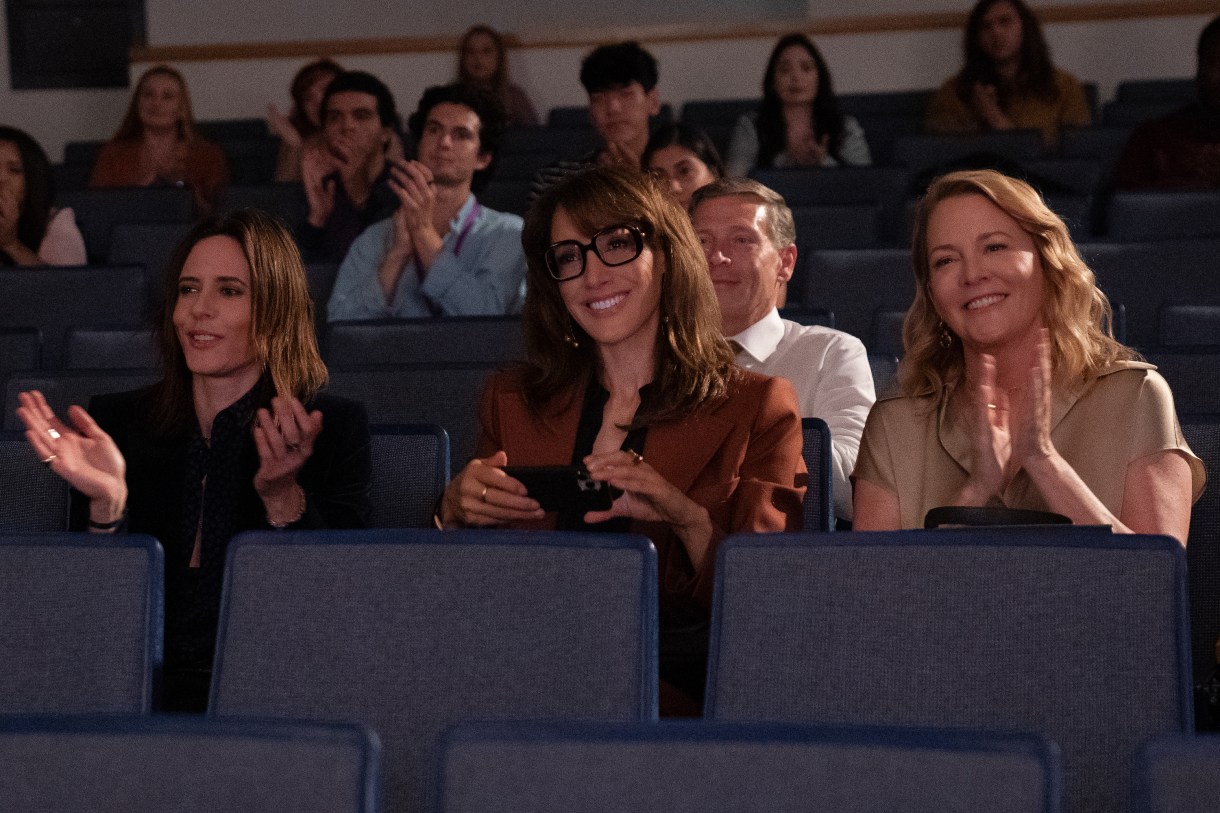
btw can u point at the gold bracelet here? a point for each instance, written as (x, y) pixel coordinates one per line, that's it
(300, 512)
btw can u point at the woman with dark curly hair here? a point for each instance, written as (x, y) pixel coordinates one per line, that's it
(1008, 81)
(1015, 393)
(799, 122)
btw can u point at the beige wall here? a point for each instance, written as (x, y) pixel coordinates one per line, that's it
(1103, 52)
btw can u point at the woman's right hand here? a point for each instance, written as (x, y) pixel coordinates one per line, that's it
(484, 495)
(990, 435)
(83, 454)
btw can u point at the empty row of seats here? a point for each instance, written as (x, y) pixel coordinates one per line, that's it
(410, 633)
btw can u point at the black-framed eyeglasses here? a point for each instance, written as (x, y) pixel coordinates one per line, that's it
(614, 245)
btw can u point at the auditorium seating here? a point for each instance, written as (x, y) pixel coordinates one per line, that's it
(82, 623)
(1178, 775)
(32, 497)
(1072, 633)
(156, 764)
(412, 632)
(452, 340)
(99, 210)
(721, 768)
(1202, 433)
(410, 470)
(102, 348)
(818, 506)
(63, 389)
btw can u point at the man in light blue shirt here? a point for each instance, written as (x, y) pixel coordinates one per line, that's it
(441, 253)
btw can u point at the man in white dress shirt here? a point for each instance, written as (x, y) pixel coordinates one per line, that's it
(749, 237)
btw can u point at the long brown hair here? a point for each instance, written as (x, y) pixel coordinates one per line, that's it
(1074, 309)
(281, 315)
(131, 128)
(1036, 73)
(694, 364)
(499, 80)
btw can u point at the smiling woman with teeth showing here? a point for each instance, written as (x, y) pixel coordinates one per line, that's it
(234, 437)
(1015, 392)
(627, 375)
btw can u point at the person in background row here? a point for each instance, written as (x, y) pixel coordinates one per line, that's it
(32, 231)
(157, 143)
(749, 238)
(1181, 150)
(235, 436)
(683, 159)
(799, 122)
(628, 376)
(441, 253)
(303, 124)
(1015, 393)
(483, 62)
(346, 176)
(1008, 81)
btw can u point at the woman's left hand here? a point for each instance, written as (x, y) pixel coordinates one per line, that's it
(646, 494)
(1031, 429)
(284, 437)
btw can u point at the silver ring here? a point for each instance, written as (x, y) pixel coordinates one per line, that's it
(636, 457)
(46, 461)
(293, 447)
(54, 433)
(483, 494)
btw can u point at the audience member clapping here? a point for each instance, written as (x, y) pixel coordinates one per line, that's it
(799, 122)
(346, 175)
(1016, 394)
(234, 437)
(32, 231)
(1008, 81)
(483, 62)
(303, 124)
(157, 143)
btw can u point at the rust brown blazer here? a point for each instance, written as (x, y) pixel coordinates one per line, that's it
(741, 461)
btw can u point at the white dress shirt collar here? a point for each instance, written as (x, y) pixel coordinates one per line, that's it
(760, 339)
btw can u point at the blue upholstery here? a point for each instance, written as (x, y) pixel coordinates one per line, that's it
(817, 509)
(853, 284)
(1203, 546)
(54, 300)
(99, 210)
(804, 315)
(150, 245)
(1193, 375)
(284, 200)
(410, 470)
(1179, 775)
(1073, 633)
(410, 632)
(184, 763)
(702, 112)
(32, 497)
(63, 389)
(443, 394)
(731, 768)
(840, 225)
(1162, 215)
(82, 623)
(448, 340)
(101, 348)
(886, 335)
(924, 152)
(884, 368)
(20, 349)
(1190, 325)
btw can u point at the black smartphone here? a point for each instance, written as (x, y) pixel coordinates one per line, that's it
(556, 487)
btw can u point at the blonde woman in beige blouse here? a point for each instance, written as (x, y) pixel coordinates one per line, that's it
(1015, 392)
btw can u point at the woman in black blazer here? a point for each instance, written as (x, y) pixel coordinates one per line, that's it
(234, 437)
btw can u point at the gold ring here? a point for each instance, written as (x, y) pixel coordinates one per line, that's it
(483, 494)
(54, 433)
(636, 457)
(46, 461)
(991, 406)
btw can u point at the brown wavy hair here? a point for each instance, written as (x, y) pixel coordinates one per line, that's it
(694, 364)
(281, 315)
(130, 129)
(1074, 309)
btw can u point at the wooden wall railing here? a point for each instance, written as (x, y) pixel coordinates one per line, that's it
(864, 24)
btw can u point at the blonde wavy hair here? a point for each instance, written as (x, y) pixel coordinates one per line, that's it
(1074, 309)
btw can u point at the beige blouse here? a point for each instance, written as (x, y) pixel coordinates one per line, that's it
(920, 450)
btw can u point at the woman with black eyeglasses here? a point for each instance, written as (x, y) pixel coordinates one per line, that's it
(628, 378)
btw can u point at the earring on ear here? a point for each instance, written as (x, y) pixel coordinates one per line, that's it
(946, 338)
(569, 335)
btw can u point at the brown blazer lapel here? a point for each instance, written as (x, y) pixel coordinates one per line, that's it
(681, 450)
